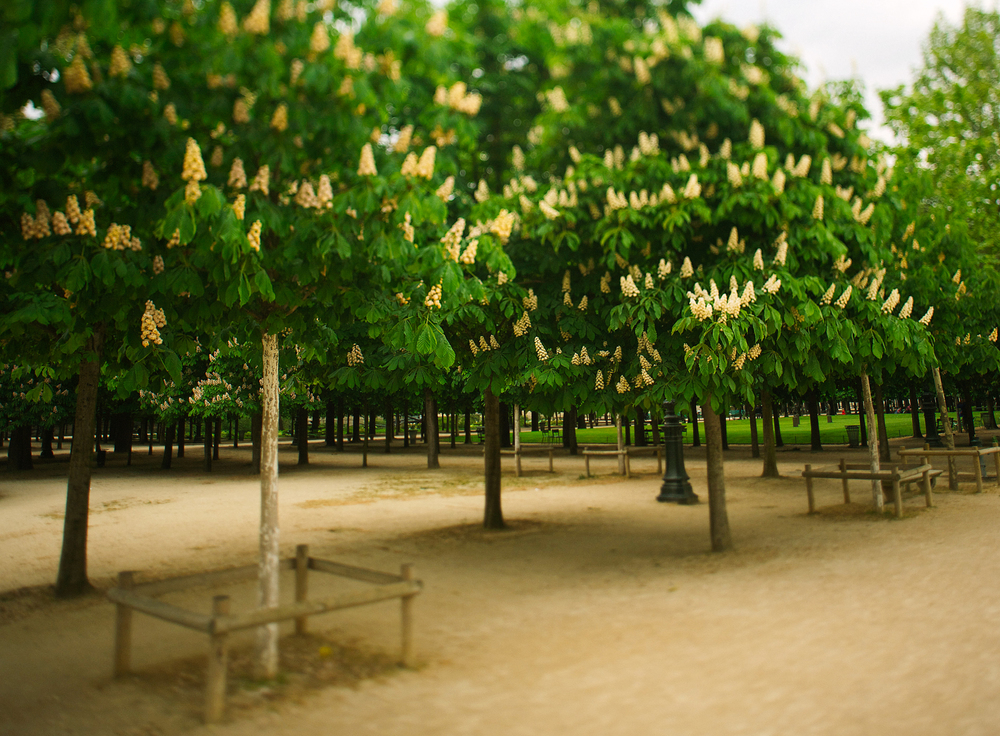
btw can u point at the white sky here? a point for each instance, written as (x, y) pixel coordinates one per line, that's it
(878, 41)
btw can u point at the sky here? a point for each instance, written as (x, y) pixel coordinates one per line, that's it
(878, 41)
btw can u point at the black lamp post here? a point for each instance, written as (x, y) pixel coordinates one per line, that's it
(676, 487)
(929, 402)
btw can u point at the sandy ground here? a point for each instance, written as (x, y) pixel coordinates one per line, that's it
(599, 612)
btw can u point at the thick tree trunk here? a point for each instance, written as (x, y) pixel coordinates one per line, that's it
(949, 437)
(754, 442)
(19, 449)
(46, 452)
(569, 430)
(493, 515)
(724, 426)
(767, 422)
(266, 659)
(718, 518)
(168, 446)
(878, 500)
(302, 433)
(431, 429)
(72, 578)
(208, 445)
(695, 438)
(817, 445)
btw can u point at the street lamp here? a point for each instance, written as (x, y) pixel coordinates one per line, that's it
(676, 486)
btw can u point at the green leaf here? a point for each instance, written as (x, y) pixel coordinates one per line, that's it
(426, 340)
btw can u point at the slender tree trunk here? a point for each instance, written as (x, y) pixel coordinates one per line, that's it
(949, 437)
(208, 445)
(468, 425)
(915, 413)
(754, 442)
(168, 446)
(340, 423)
(970, 422)
(266, 659)
(389, 430)
(330, 430)
(302, 432)
(817, 445)
(431, 429)
(654, 425)
(717, 515)
(493, 515)
(877, 498)
(256, 437)
(884, 453)
(862, 424)
(72, 577)
(620, 440)
(776, 420)
(767, 422)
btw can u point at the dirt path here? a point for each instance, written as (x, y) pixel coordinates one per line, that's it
(600, 612)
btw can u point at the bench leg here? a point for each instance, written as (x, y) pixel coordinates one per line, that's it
(926, 480)
(847, 491)
(628, 466)
(586, 464)
(979, 473)
(218, 661)
(897, 498)
(996, 462)
(809, 493)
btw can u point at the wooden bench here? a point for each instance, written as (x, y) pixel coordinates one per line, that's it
(129, 596)
(975, 453)
(898, 476)
(517, 454)
(646, 452)
(589, 452)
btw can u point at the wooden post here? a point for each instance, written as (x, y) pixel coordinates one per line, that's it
(927, 488)
(843, 470)
(996, 462)
(586, 463)
(978, 469)
(897, 496)
(406, 611)
(517, 440)
(552, 453)
(628, 464)
(809, 490)
(301, 584)
(123, 628)
(218, 656)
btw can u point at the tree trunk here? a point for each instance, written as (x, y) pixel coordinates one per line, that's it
(266, 656)
(654, 425)
(302, 432)
(776, 420)
(767, 422)
(970, 422)
(340, 423)
(695, 439)
(569, 430)
(640, 428)
(862, 424)
(754, 442)
(389, 429)
(208, 445)
(330, 430)
(949, 437)
(534, 420)
(884, 453)
(915, 413)
(46, 452)
(504, 425)
(620, 440)
(717, 516)
(256, 432)
(724, 426)
(356, 425)
(877, 498)
(493, 515)
(431, 429)
(817, 445)
(168, 447)
(991, 420)
(19, 449)
(72, 578)
(218, 438)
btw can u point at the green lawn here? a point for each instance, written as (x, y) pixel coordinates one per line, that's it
(738, 430)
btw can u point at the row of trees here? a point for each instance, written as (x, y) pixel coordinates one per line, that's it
(573, 208)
